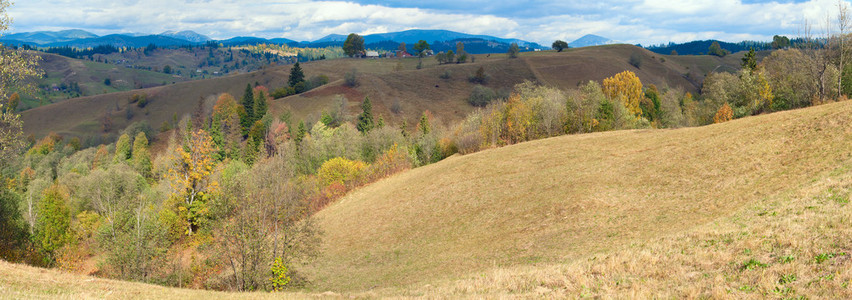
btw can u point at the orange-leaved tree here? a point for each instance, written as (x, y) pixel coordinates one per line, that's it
(626, 87)
(724, 114)
(191, 176)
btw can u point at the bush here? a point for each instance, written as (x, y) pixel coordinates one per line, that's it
(340, 170)
(481, 96)
(480, 77)
(351, 78)
(635, 60)
(446, 75)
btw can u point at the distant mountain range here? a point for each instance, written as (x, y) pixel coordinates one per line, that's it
(591, 40)
(386, 41)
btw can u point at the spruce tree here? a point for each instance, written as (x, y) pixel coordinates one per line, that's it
(296, 75)
(260, 105)
(248, 103)
(365, 119)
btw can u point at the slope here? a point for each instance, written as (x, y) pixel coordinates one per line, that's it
(387, 82)
(752, 208)
(565, 199)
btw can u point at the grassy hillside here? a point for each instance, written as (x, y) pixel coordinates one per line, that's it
(752, 208)
(62, 73)
(568, 199)
(385, 81)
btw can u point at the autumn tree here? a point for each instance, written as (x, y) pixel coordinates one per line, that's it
(559, 45)
(724, 114)
(225, 128)
(353, 45)
(627, 88)
(192, 182)
(18, 67)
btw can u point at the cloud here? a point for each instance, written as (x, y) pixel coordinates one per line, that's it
(632, 21)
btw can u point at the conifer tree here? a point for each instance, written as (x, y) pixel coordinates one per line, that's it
(296, 75)
(365, 119)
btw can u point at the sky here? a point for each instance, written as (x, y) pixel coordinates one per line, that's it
(644, 22)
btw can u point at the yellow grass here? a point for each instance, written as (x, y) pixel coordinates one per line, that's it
(567, 199)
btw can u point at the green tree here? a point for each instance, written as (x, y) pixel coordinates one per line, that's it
(353, 45)
(261, 103)
(461, 55)
(301, 132)
(365, 119)
(513, 50)
(420, 47)
(296, 75)
(122, 149)
(780, 42)
(716, 49)
(749, 60)
(559, 45)
(247, 118)
(424, 126)
(141, 155)
(54, 221)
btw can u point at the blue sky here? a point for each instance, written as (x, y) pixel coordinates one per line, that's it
(542, 21)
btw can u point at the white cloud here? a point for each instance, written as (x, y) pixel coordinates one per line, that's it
(639, 21)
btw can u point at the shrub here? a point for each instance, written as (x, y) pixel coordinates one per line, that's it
(446, 74)
(340, 170)
(481, 96)
(480, 77)
(351, 78)
(635, 60)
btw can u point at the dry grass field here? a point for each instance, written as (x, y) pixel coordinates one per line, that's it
(752, 208)
(618, 196)
(385, 81)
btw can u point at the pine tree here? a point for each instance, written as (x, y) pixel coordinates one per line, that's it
(365, 119)
(749, 60)
(296, 75)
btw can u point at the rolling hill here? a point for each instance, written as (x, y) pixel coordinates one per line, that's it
(749, 208)
(415, 90)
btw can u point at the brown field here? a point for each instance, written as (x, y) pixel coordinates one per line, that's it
(752, 208)
(415, 90)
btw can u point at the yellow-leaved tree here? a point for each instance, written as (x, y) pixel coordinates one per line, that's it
(724, 114)
(627, 88)
(191, 176)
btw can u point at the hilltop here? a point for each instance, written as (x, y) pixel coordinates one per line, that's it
(748, 208)
(385, 81)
